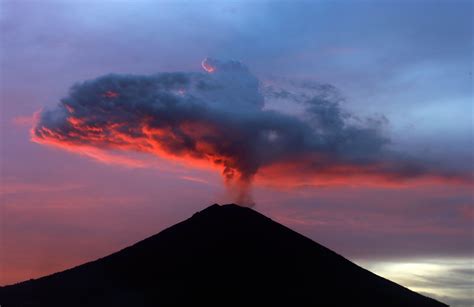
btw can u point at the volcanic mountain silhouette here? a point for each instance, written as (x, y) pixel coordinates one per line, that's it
(221, 256)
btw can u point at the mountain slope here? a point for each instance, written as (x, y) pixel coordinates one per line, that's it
(222, 256)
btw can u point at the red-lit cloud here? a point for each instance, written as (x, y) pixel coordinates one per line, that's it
(218, 120)
(207, 66)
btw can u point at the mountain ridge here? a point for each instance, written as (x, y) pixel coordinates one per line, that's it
(237, 252)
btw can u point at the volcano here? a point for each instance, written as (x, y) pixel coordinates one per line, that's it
(222, 256)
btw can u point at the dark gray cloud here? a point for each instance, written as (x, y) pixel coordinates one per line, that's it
(220, 117)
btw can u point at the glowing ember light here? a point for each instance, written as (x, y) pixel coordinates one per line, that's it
(110, 94)
(207, 66)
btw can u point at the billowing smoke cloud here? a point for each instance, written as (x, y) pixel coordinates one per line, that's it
(222, 117)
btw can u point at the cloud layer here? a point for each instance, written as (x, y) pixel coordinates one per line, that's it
(221, 118)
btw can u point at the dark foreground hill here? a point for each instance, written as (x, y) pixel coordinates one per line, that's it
(221, 256)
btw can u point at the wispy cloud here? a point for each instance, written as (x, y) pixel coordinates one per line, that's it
(447, 279)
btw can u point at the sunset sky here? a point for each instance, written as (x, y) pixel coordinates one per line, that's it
(386, 181)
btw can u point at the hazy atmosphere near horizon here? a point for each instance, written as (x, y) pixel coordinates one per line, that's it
(350, 122)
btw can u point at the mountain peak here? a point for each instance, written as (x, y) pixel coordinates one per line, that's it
(219, 209)
(243, 256)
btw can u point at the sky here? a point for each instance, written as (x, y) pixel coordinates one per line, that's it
(382, 90)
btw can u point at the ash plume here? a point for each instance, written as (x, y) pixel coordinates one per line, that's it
(221, 117)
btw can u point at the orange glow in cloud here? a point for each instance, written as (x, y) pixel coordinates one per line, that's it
(97, 154)
(281, 175)
(297, 174)
(89, 141)
(98, 143)
(207, 66)
(110, 94)
(219, 122)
